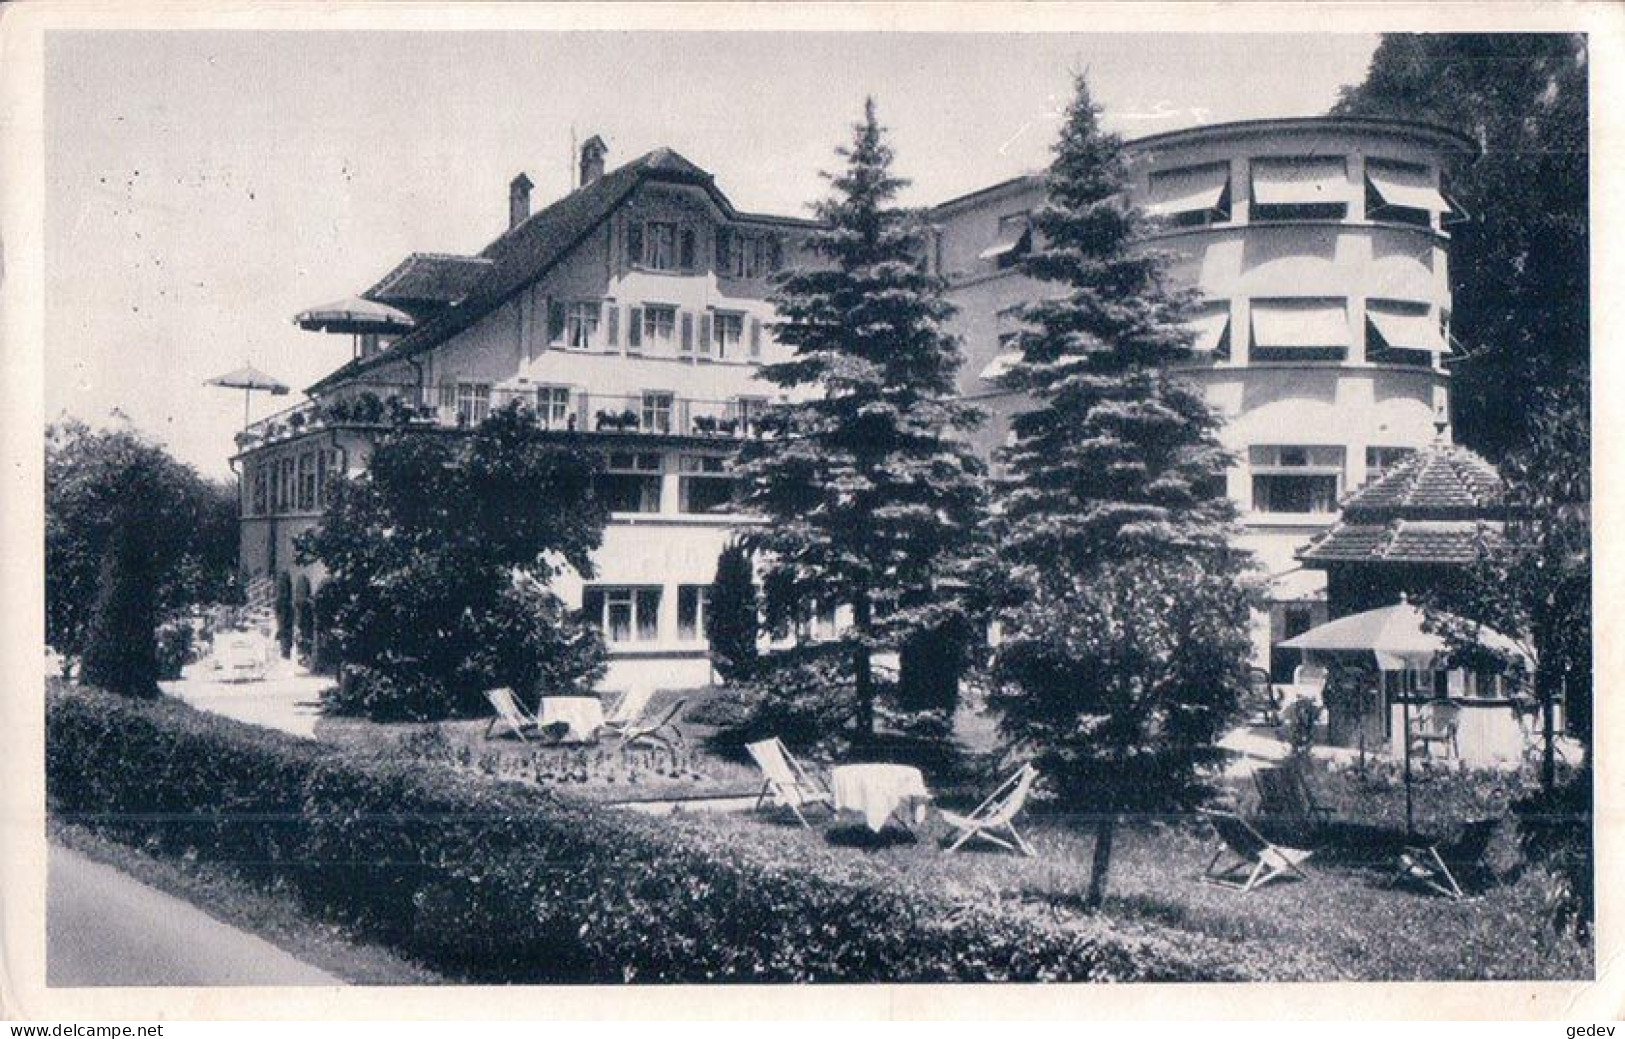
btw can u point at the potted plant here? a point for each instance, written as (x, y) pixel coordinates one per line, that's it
(728, 426)
(705, 423)
(629, 419)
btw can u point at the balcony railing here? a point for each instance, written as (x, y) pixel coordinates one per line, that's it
(385, 404)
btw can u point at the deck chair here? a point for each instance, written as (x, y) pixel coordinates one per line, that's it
(787, 784)
(1441, 867)
(1263, 699)
(627, 712)
(1283, 795)
(1440, 720)
(509, 713)
(996, 813)
(1254, 860)
(663, 730)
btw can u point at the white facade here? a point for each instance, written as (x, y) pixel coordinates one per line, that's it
(1319, 251)
(642, 340)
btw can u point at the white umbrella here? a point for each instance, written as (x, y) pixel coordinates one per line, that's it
(249, 379)
(1394, 635)
(355, 315)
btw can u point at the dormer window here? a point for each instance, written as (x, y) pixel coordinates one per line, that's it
(661, 245)
(741, 255)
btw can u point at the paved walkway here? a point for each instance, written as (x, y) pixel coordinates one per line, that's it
(288, 698)
(104, 927)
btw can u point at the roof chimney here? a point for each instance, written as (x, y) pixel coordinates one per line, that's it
(518, 201)
(592, 160)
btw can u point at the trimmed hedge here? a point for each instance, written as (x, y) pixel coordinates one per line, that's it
(498, 883)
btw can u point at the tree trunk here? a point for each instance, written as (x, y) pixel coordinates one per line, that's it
(1548, 752)
(1105, 830)
(862, 668)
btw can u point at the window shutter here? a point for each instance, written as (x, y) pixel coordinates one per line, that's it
(705, 334)
(688, 332)
(555, 320)
(634, 244)
(634, 328)
(614, 324)
(756, 337)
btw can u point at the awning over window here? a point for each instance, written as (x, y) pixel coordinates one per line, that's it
(1001, 364)
(1014, 237)
(1209, 325)
(1192, 190)
(1407, 329)
(1307, 181)
(1405, 187)
(1305, 323)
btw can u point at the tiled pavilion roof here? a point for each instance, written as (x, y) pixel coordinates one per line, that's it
(1442, 505)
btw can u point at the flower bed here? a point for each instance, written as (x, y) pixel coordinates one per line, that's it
(492, 882)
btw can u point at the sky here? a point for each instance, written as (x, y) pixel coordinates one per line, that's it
(204, 187)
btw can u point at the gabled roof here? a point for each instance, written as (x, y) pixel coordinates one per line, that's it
(429, 278)
(527, 252)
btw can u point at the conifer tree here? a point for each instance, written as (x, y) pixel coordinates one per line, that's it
(732, 622)
(872, 494)
(1126, 627)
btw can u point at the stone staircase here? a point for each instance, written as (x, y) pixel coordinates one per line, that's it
(259, 604)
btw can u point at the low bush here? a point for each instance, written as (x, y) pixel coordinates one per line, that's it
(492, 882)
(175, 648)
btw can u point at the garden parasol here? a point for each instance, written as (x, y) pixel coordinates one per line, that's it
(248, 379)
(1396, 637)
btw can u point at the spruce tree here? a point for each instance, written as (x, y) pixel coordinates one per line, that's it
(121, 647)
(732, 616)
(872, 495)
(1126, 627)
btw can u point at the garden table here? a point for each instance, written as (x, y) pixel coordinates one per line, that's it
(583, 716)
(881, 793)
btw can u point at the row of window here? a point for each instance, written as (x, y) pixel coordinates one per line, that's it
(1304, 187)
(1308, 479)
(1298, 330)
(670, 246)
(654, 328)
(565, 408)
(632, 482)
(631, 613)
(292, 483)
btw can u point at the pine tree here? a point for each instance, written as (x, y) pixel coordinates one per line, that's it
(872, 494)
(732, 616)
(1126, 625)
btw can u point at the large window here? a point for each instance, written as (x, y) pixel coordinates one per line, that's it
(654, 245)
(705, 484)
(1400, 192)
(729, 333)
(1378, 460)
(1294, 479)
(656, 412)
(1299, 329)
(655, 327)
(1402, 332)
(553, 407)
(473, 403)
(623, 614)
(581, 325)
(1012, 241)
(631, 483)
(1191, 197)
(1304, 187)
(287, 484)
(747, 256)
(262, 484)
(693, 602)
(1210, 328)
(307, 482)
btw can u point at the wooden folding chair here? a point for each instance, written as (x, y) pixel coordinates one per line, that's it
(787, 784)
(1440, 867)
(509, 713)
(996, 813)
(663, 731)
(1256, 861)
(627, 712)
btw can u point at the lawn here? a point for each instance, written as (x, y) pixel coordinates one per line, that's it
(1343, 923)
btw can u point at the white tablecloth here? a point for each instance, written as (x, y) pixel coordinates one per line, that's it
(878, 791)
(583, 714)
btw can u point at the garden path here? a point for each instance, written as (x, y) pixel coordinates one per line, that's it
(287, 699)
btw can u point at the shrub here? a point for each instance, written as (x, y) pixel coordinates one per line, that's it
(304, 615)
(805, 695)
(497, 883)
(175, 648)
(731, 622)
(1298, 723)
(284, 612)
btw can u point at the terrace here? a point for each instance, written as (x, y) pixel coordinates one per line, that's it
(562, 409)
